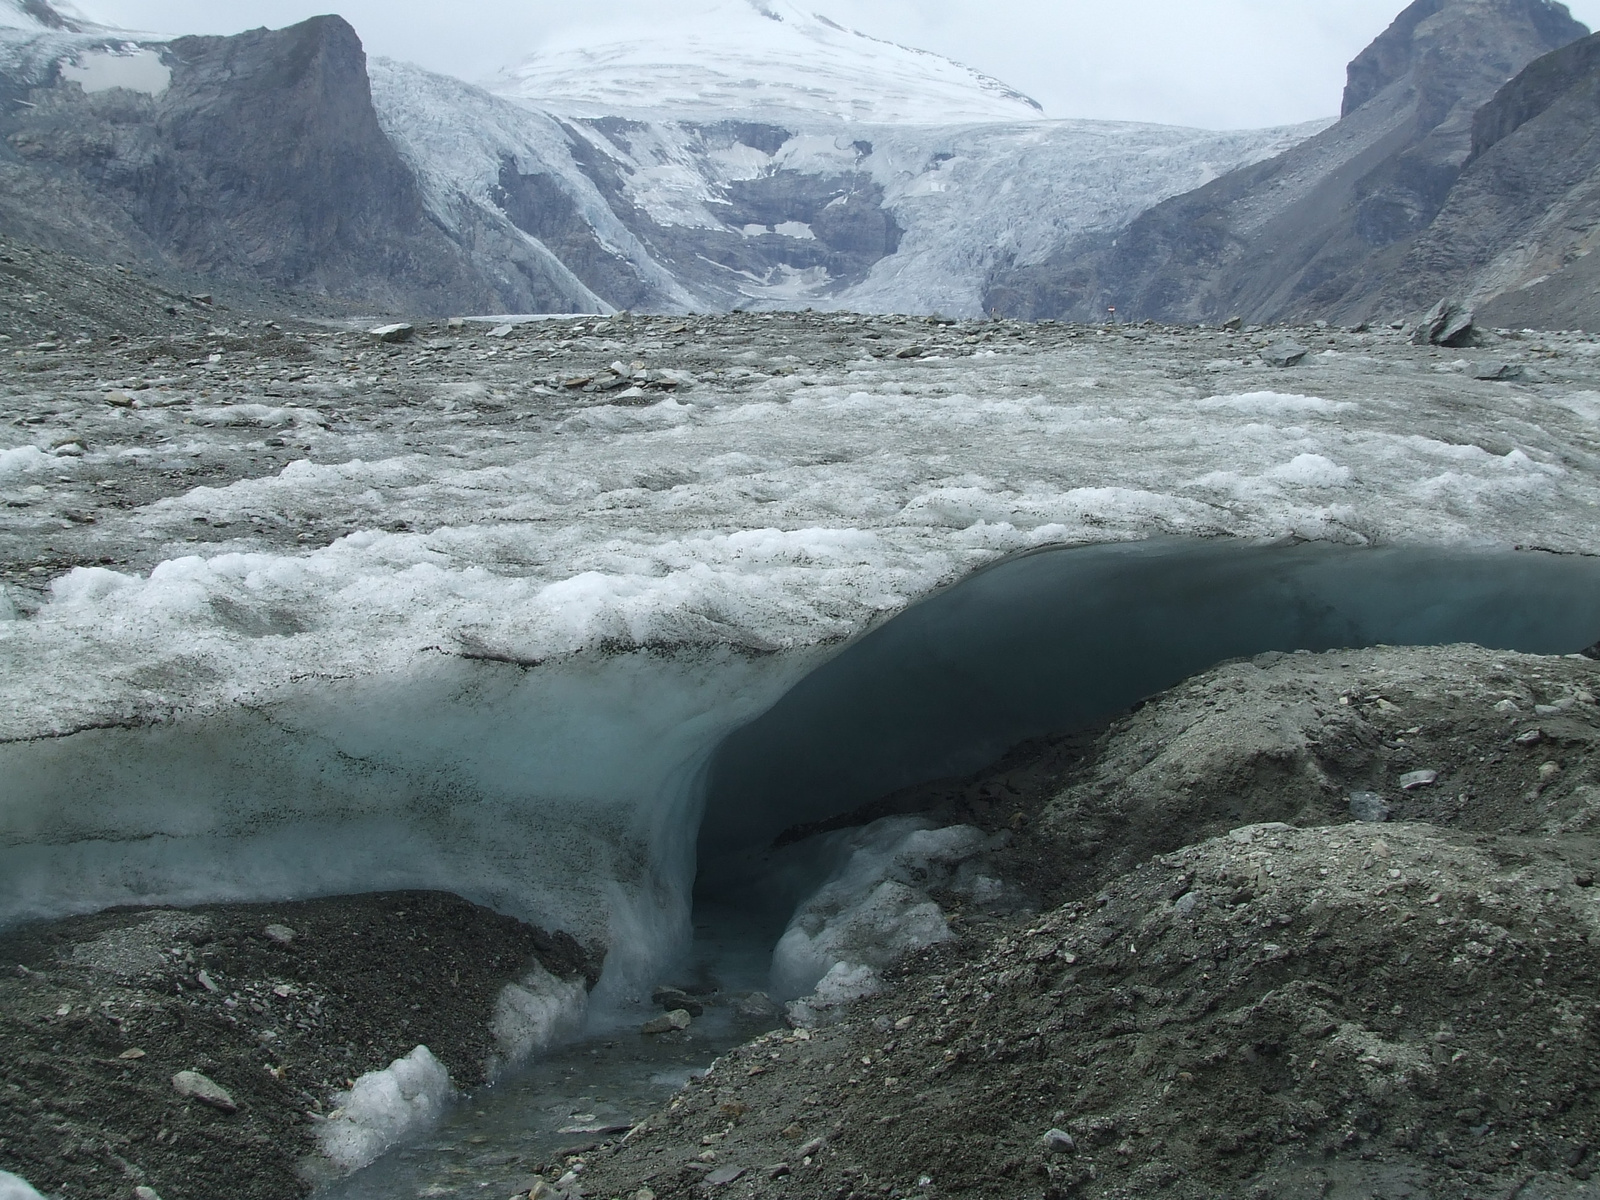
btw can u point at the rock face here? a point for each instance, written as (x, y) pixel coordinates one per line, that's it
(1320, 230)
(1515, 235)
(262, 160)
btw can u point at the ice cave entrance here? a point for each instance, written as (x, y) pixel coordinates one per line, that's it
(572, 792)
(1060, 640)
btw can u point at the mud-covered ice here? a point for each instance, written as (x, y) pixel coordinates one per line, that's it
(479, 630)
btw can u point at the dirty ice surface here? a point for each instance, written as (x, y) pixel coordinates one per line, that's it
(467, 507)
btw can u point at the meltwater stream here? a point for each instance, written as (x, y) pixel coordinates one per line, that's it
(1044, 643)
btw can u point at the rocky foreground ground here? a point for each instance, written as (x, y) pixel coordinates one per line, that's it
(1233, 989)
(1228, 986)
(279, 1007)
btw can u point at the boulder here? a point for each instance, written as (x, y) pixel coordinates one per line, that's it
(1448, 323)
(1284, 355)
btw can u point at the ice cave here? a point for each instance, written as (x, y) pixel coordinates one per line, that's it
(585, 793)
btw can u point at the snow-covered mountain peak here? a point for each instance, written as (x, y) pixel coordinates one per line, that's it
(758, 58)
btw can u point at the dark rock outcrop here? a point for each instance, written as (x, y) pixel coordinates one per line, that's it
(262, 161)
(1516, 234)
(1319, 230)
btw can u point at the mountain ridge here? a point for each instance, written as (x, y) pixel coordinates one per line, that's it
(1318, 231)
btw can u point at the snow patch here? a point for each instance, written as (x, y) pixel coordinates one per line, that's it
(14, 1187)
(385, 1107)
(131, 68)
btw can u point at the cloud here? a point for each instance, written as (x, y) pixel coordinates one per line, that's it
(1215, 63)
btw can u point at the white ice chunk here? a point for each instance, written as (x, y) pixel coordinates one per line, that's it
(535, 1013)
(24, 460)
(842, 986)
(1311, 470)
(875, 909)
(385, 1107)
(14, 1187)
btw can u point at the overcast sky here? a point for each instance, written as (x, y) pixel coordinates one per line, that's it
(1216, 63)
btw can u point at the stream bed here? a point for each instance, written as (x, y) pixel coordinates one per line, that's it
(492, 1143)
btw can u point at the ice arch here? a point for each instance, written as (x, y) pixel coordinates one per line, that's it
(572, 792)
(1058, 640)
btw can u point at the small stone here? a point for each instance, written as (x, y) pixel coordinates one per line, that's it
(145, 1193)
(757, 1005)
(131, 1055)
(668, 1023)
(1496, 371)
(207, 982)
(195, 1086)
(1233, 324)
(1317, 1027)
(1549, 771)
(280, 935)
(723, 1176)
(643, 1193)
(910, 352)
(456, 323)
(1284, 355)
(119, 399)
(1584, 879)
(1369, 807)
(541, 1190)
(393, 334)
(1412, 780)
(1507, 706)
(1185, 904)
(1531, 737)
(1059, 1141)
(501, 331)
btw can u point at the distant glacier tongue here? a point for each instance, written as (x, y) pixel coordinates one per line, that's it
(572, 792)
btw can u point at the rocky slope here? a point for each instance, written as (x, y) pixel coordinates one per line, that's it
(1515, 236)
(1321, 230)
(256, 158)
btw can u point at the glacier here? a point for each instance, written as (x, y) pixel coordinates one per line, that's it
(532, 691)
(753, 59)
(652, 186)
